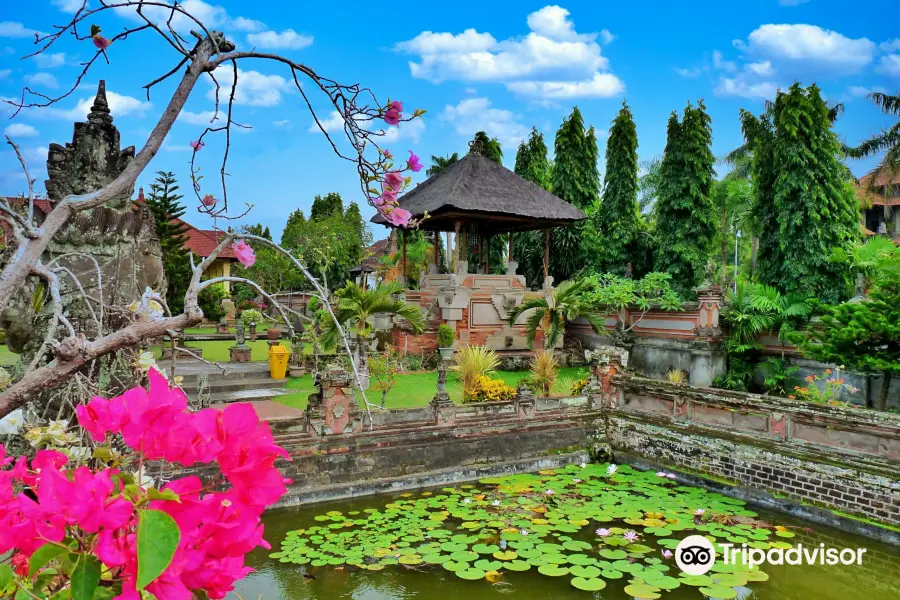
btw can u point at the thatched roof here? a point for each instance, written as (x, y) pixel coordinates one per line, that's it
(870, 189)
(477, 190)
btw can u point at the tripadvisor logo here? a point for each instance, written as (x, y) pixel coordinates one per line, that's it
(695, 555)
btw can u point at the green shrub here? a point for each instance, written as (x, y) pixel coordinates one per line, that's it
(210, 301)
(251, 315)
(445, 336)
(472, 363)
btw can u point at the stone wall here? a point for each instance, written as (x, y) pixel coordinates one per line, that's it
(765, 447)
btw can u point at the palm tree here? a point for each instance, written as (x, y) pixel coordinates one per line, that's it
(355, 309)
(552, 312)
(887, 141)
(440, 163)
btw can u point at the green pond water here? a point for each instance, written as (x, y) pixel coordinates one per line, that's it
(535, 536)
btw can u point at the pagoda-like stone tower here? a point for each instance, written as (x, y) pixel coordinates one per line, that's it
(120, 235)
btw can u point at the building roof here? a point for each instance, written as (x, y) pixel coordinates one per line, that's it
(374, 253)
(870, 188)
(478, 190)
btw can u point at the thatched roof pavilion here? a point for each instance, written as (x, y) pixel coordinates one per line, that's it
(480, 197)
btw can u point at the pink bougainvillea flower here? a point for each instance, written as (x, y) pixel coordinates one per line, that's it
(399, 217)
(244, 253)
(209, 200)
(394, 113)
(413, 163)
(101, 42)
(394, 179)
(387, 154)
(197, 145)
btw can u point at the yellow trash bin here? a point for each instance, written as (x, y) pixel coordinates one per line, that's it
(278, 361)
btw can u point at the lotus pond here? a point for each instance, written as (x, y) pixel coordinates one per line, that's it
(591, 531)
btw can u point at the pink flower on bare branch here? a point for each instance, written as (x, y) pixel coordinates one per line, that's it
(394, 113)
(413, 163)
(244, 253)
(101, 42)
(209, 200)
(197, 145)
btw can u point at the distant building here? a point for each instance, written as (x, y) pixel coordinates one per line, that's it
(364, 274)
(879, 196)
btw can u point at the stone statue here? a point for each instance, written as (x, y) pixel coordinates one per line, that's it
(239, 336)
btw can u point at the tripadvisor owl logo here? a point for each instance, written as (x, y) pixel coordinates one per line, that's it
(695, 555)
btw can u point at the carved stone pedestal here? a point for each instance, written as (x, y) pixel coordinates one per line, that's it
(333, 410)
(240, 353)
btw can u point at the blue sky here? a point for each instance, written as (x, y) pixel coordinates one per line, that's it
(502, 66)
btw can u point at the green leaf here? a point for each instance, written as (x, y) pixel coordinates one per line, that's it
(42, 556)
(155, 494)
(6, 576)
(85, 578)
(157, 539)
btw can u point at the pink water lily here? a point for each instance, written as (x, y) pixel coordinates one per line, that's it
(700, 512)
(667, 553)
(671, 475)
(603, 532)
(413, 163)
(660, 473)
(549, 492)
(630, 536)
(197, 145)
(244, 253)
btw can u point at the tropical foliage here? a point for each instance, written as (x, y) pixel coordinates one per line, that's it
(440, 163)
(356, 307)
(543, 371)
(606, 295)
(864, 335)
(887, 141)
(472, 363)
(551, 312)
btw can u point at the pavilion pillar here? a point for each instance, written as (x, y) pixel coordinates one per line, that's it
(486, 257)
(437, 252)
(403, 255)
(462, 266)
(456, 248)
(509, 257)
(547, 258)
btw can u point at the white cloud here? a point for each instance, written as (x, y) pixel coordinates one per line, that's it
(891, 45)
(606, 36)
(201, 118)
(689, 73)
(50, 60)
(411, 131)
(21, 130)
(333, 122)
(763, 69)
(890, 65)
(35, 155)
(253, 88)
(13, 29)
(859, 91)
(287, 39)
(245, 24)
(119, 106)
(553, 53)
(69, 6)
(742, 88)
(43, 79)
(809, 47)
(720, 63)
(603, 85)
(475, 114)
(282, 124)
(211, 15)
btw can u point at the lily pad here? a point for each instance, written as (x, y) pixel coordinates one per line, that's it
(588, 584)
(719, 592)
(471, 574)
(553, 570)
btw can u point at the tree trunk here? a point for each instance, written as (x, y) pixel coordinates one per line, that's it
(754, 250)
(885, 387)
(725, 242)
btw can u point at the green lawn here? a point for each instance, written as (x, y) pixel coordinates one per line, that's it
(217, 350)
(7, 357)
(417, 389)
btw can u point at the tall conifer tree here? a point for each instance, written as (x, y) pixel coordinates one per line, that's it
(685, 211)
(815, 206)
(532, 164)
(617, 219)
(163, 203)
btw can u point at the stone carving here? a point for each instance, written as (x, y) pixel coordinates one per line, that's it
(240, 352)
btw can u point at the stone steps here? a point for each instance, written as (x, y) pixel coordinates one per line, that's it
(242, 382)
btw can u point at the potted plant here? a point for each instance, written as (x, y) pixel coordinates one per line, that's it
(273, 333)
(446, 336)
